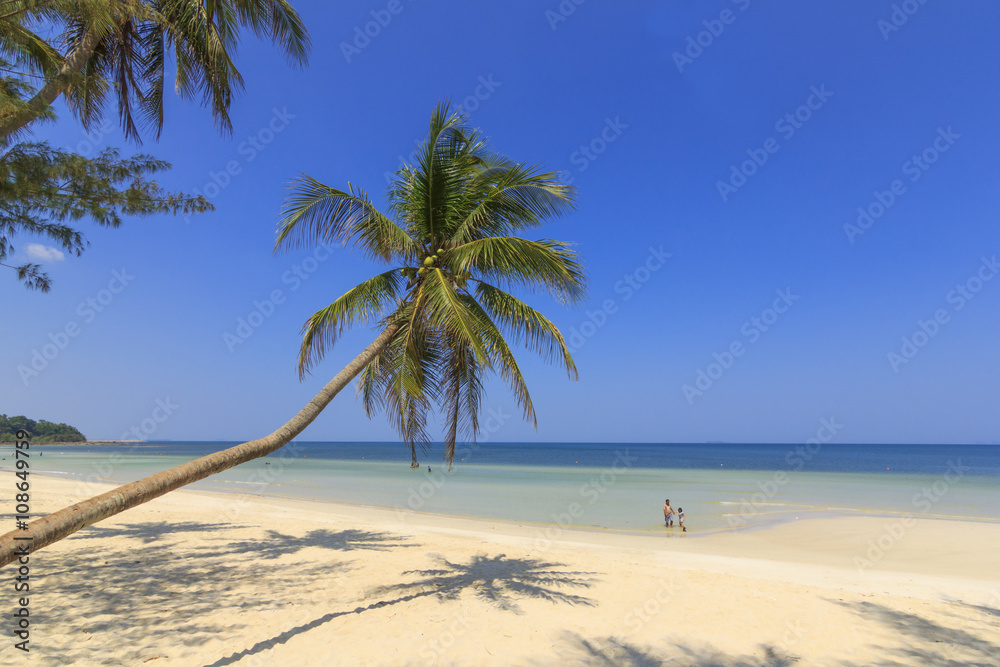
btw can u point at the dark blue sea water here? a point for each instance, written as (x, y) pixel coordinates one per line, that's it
(835, 458)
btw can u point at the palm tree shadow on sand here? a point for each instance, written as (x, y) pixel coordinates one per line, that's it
(498, 580)
(155, 581)
(277, 544)
(151, 532)
(575, 649)
(932, 643)
(495, 579)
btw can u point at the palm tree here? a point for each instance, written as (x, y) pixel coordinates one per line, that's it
(122, 48)
(440, 306)
(451, 252)
(120, 51)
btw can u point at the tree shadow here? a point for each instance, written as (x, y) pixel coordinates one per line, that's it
(137, 598)
(934, 643)
(277, 544)
(576, 649)
(268, 644)
(495, 579)
(159, 580)
(498, 580)
(989, 611)
(150, 531)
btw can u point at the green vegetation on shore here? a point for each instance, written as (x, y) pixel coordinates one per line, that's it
(41, 431)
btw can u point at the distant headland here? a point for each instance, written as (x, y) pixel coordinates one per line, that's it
(87, 443)
(42, 432)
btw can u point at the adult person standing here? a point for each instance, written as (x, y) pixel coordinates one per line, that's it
(668, 513)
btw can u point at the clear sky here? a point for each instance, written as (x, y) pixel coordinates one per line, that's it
(740, 138)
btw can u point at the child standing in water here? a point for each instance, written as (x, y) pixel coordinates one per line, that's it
(680, 519)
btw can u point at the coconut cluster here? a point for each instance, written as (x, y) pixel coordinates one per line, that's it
(429, 262)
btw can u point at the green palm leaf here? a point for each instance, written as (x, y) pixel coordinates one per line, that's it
(316, 213)
(456, 213)
(527, 325)
(503, 360)
(127, 46)
(544, 264)
(515, 198)
(363, 303)
(447, 312)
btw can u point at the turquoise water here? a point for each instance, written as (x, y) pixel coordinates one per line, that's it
(759, 486)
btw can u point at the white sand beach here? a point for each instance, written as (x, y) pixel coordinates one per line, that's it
(180, 581)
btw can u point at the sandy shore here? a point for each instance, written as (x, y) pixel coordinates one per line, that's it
(212, 579)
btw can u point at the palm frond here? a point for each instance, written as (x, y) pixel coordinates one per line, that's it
(276, 20)
(446, 311)
(502, 359)
(513, 198)
(456, 214)
(527, 326)
(412, 380)
(461, 396)
(432, 196)
(363, 303)
(315, 213)
(133, 40)
(544, 264)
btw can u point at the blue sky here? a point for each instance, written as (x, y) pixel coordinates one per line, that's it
(739, 138)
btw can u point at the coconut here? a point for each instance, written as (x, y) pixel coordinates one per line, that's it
(429, 261)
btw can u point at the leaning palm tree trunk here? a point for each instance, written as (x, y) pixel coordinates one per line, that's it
(53, 88)
(58, 525)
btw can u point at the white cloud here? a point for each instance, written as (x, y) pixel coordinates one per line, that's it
(41, 253)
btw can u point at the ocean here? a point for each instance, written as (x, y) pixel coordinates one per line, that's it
(601, 486)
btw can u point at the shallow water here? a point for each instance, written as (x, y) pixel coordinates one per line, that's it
(603, 486)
